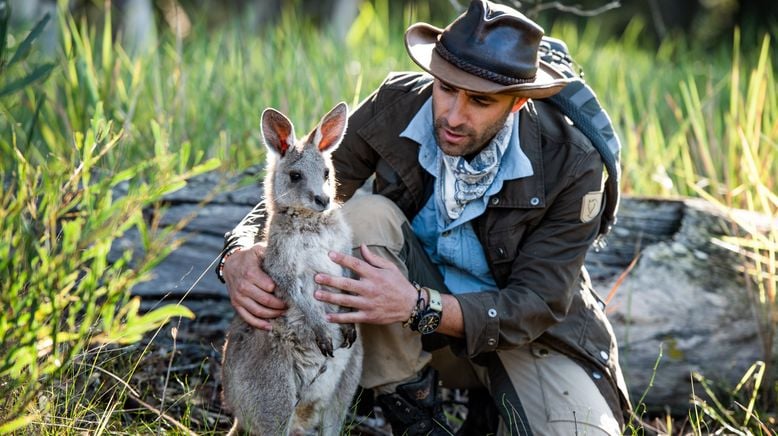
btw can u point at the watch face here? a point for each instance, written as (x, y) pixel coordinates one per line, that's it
(429, 322)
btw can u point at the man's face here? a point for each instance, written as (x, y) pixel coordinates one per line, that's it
(466, 121)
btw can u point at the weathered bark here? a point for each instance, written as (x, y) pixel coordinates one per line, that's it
(684, 298)
(188, 270)
(684, 295)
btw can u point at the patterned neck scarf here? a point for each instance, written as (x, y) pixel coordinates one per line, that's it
(465, 181)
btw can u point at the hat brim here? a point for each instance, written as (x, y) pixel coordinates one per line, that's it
(420, 40)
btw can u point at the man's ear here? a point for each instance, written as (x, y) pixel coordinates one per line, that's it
(519, 103)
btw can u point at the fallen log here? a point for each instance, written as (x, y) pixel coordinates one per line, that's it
(685, 299)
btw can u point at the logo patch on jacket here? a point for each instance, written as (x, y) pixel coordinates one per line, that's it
(590, 206)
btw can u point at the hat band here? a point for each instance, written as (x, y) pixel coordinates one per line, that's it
(478, 71)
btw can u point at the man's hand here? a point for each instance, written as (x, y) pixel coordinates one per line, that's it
(381, 295)
(250, 289)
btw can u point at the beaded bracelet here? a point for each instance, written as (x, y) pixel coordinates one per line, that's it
(417, 308)
(220, 268)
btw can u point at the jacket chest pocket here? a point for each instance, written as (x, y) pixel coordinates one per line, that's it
(509, 228)
(503, 245)
(504, 240)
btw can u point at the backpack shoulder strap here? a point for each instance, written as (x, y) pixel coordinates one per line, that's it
(579, 103)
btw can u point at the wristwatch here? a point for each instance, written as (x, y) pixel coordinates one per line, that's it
(429, 318)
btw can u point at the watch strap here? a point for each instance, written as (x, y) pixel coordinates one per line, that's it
(436, 302)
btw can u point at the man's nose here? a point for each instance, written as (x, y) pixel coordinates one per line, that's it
(456, 112)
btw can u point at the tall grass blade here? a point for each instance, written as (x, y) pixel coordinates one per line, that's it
(39, 74)
(5, 16)
(756, 373)
(31, 127)
(24, 47)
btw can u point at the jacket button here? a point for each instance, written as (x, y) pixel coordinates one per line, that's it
(597, 375)
(492, 313)
(495, 201)
(534, 201)
(501, 252)
(491, 342)
(603, 355)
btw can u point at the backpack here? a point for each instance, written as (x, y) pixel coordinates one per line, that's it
(579, 103)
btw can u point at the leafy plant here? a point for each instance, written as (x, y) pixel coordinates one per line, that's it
(59, 216)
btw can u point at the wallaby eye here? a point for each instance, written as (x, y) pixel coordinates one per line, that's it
(326, 174)
(295, 176)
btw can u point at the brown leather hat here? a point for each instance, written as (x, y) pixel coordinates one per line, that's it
(491, 49)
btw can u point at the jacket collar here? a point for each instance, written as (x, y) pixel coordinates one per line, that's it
(528, 192)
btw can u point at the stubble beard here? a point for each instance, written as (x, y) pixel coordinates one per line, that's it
(476, 142)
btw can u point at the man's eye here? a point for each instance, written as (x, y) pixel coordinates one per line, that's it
(480, 101)
(295, 176)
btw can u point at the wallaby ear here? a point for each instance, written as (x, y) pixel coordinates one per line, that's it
(331, 128)
(277, 131)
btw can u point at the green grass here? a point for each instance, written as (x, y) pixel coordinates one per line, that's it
(75, 126)
(686, 117)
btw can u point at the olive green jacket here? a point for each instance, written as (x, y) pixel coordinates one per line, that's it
(535, 231)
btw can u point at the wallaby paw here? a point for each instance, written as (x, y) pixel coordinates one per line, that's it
(349, 332)
(324, 343)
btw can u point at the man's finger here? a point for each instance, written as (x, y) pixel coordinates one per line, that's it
(266, 299)
(257, 309)
(252, 320)
(339, 282)
(260, 279)
(264, 282)
(374, 259)
(346, 317)
(339, 299)
(355, 264)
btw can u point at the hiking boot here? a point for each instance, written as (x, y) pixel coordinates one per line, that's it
(413, 409)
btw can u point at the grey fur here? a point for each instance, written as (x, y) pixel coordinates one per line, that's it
(292, 380)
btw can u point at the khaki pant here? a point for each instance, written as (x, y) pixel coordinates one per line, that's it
(536, 389)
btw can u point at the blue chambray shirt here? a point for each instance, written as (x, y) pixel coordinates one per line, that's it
(452, 244)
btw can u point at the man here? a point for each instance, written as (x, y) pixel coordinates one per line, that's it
(470, 252)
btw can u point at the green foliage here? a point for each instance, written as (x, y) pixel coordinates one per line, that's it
(59, 216)
(687, 117)
(39, 74)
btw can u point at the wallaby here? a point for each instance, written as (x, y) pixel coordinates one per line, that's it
(300, 377)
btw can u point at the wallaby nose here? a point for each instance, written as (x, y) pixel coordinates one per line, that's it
(322, 201)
